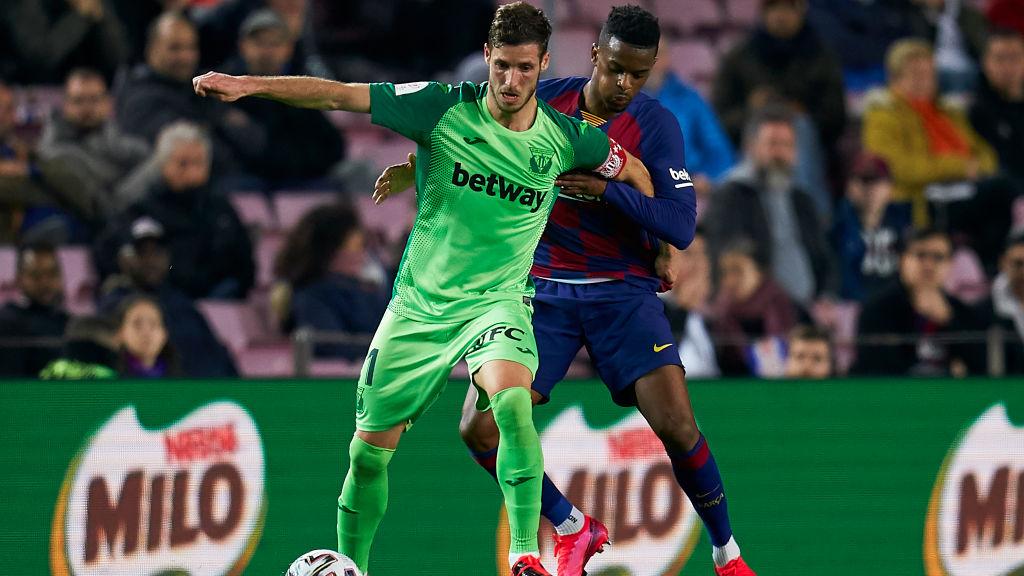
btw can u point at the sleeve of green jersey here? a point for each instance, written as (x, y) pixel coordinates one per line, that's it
(591, 147)
(411, 109)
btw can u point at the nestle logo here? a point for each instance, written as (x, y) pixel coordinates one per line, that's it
(201, 443)
(498, 186)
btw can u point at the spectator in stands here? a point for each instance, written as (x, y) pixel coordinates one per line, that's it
(160, 92)
(809, 353)
(868, 230)
(323, 261)
(760, 200)
(687, 307)
(83, 135)
(145, 351)
(783, 60)
(750, 307)
(137, 17)
(89, 352)
(998, 110)
(957, 30)
(52, 37)
(860, 33)
(709, 153)
(305, 143)
(1007, 303)
(15, 167)
(37, 315)
(919, 313)
(211, 254)
(219, 33)
(939, 163)
(144, 263)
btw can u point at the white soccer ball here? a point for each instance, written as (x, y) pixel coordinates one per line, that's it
(323, 563)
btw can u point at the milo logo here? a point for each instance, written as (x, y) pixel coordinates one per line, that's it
(975, 521)
(621, 476)
(186, 500)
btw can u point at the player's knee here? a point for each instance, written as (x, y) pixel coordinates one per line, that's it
(676, 431)
(367, 462)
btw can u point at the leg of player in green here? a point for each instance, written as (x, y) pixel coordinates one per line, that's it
(520, 464)
(363, 500)
(364, 496)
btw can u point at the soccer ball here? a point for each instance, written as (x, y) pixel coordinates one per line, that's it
(323, 563)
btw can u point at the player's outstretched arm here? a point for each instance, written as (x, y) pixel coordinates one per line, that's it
(297, 91)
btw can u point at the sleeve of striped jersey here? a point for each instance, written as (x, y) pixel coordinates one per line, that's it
(672, 214)
(411, 109)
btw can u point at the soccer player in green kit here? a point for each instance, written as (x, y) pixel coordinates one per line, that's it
(489, 156)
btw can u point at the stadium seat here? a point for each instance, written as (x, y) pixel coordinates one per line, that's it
(690, 17)
(267, 248)
(844, 334)
(392, 218)
(8, 266)
(571, 52)
(290, 207)
(742, 13)
(694, 61)
(79, 280)
(335, 368)
(240, 326)
(267, 361)
(254, 210)
(966, 278)
(595, 12)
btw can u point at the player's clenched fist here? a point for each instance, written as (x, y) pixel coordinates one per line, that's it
(223, 87)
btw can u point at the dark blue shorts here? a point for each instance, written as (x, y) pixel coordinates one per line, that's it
(623, 327)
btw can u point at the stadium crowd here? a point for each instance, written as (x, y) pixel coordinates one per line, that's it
(859, 168)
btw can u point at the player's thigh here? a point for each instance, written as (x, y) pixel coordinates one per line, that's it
(501, 351)
(558, 332)
(628, 337)
(405, 371)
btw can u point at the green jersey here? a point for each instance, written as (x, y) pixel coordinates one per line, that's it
(484, 194)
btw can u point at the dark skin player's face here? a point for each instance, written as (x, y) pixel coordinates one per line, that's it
(620, 72)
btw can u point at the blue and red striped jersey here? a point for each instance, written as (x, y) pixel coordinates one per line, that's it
(617, 236)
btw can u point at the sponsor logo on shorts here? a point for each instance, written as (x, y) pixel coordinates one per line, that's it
(975, 520)
(490, 335)
(662, 347)
(498, 186)
(186, 499)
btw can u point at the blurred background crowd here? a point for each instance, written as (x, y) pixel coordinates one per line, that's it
(859, 166)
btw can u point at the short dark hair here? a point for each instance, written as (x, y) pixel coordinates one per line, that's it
(85, 73)
(1001, 33)
(772, 113)
(812, 333)
(154, 27)
(519, 23)
(633, 25)
(745, 246)
(34, 248)
(926, 233)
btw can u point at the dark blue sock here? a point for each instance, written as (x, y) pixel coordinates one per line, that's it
(698, 476)
(553, 504)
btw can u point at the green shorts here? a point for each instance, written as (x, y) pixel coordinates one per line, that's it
(409, 362)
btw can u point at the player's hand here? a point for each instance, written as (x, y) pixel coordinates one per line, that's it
(395, 179)
(223, 87)
(667, 265)
(581, 184)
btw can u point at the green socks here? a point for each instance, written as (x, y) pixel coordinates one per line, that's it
(364, 497)
(520, 466)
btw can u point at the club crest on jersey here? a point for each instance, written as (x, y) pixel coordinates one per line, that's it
(540, 161)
